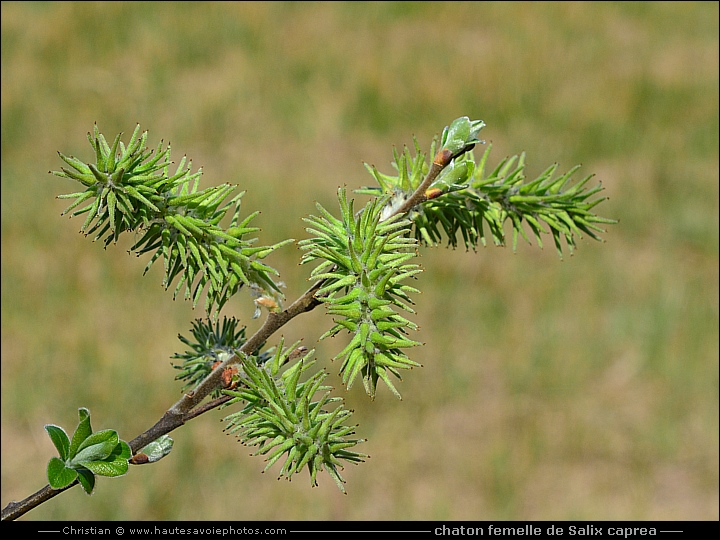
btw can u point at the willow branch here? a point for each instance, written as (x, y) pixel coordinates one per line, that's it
(182, 411)
(188, 407)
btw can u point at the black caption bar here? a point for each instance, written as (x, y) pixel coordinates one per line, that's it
(581, 530)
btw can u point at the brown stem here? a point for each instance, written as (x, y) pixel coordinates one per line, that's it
(442, 160)
(14, 510)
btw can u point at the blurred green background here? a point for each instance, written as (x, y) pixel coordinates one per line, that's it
(578, 389)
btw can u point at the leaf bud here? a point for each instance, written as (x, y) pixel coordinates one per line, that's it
(443, 157)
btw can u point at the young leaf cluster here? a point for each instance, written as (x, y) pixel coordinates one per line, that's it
(456, 140)
(282, 417)
(133, 189)
(85, 455)
(364, 262)
(467, 202)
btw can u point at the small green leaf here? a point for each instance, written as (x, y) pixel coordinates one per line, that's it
(87, 480)
(82, 432)
(158, 449)
(457, 134)
(96, 447)
(59, 439)
(59, 475)
(115, 468)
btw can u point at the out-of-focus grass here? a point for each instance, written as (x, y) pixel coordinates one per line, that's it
(586, 388)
